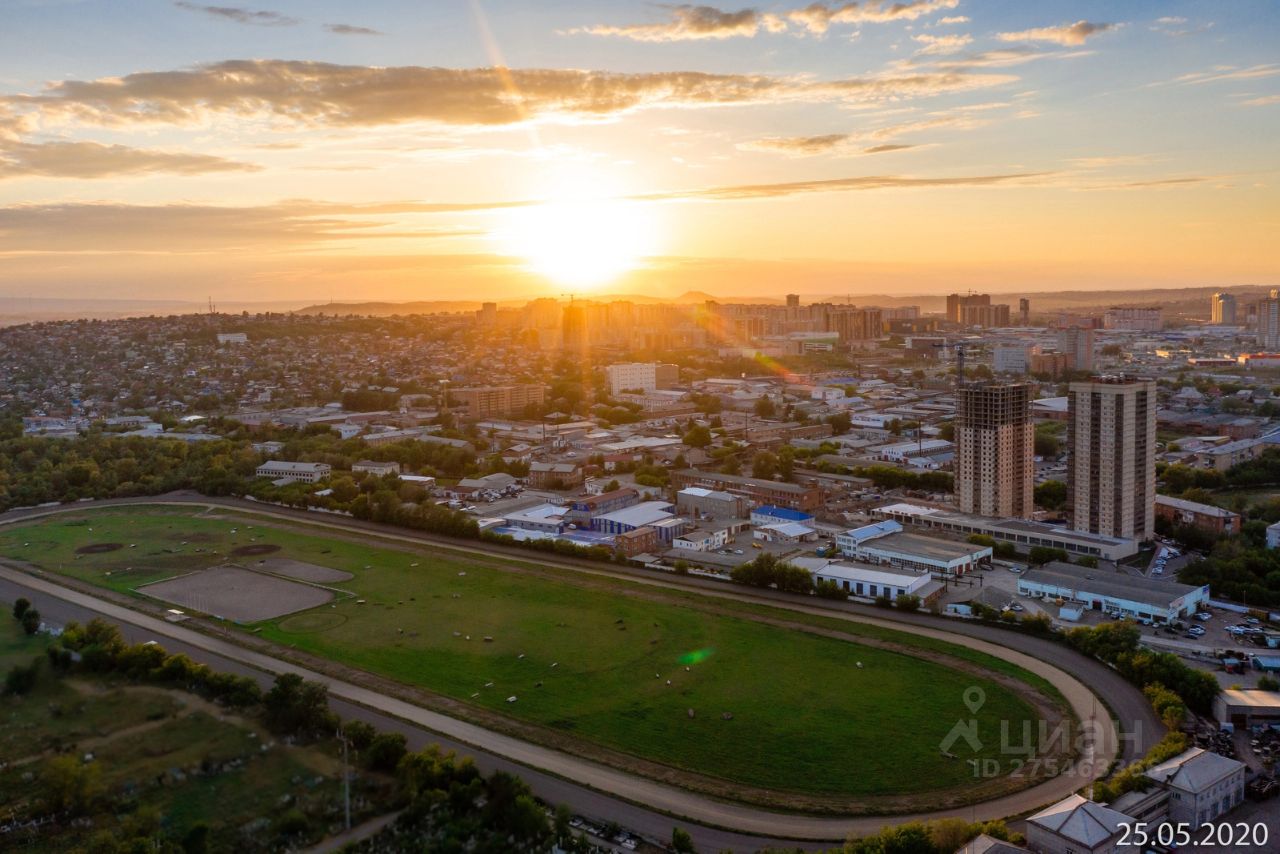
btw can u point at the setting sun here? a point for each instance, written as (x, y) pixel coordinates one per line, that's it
(579, 239)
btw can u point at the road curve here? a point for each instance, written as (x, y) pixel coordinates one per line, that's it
(755, 822)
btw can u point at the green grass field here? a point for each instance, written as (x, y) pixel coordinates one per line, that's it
(590, 657)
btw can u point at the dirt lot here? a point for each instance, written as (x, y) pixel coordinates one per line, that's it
(237, 594)
(302, 570)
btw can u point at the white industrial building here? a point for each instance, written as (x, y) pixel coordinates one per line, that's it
(1113, 593)
(885, 543)
(1076, 825)
(869, 582)
(1023, 533)
(702, 540)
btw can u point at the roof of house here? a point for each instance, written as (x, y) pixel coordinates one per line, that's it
(1194, 771)
(1080, 820)
(983, 844)
(1194, 507)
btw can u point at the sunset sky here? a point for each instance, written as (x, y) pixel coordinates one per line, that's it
(403, 150)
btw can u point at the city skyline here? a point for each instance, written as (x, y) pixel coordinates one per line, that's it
(302, 151)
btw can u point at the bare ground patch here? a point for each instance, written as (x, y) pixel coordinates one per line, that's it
(259, 549)
(99, 548)
(302, 570)
(237, 594)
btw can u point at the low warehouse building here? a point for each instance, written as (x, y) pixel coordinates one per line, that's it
(870, 582)
(1247, 707)
(881, 544)
(1113, 593)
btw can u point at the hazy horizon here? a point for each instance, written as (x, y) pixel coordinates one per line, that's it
(312, 151)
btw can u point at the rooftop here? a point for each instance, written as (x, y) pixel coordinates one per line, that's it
(1080, 820)
(1115, 585)
(1195, 770)
(931, 547)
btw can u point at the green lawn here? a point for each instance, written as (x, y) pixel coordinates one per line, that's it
(16, 646)
(805, 718)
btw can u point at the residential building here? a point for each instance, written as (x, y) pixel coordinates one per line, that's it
(1222, 309)
(1076, 825)
(1024, 312)
(1076, 343)
(1134, 319)
(233, 338)
(987, 316)
(1011, 357)
(995, 446)
(289, 472)
(1273, 535)
(1206, 517)
(487, 401)
(1022, 533)
(756, 490)
(1111, 436)
(1202, 786)
(1269, 323)
(1053, 364)
(632, 376)
(1112, 593)
(555, 475)
(375, 467)
(957, 303)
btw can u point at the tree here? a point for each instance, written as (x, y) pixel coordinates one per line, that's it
(681, 842)
(1267, 682)
(21, 679)
(295, 706)
(764, 465)
(765, 407)
(907, 602)
(698, 436)
(70, 784)
(1043, 554)
(31, 621)
(1051, 495)
(385, 751)
(20, 607)
(840, 423)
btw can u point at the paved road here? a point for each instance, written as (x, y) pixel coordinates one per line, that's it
(1040, 656)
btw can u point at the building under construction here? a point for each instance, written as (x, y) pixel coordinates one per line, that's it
(995, 445)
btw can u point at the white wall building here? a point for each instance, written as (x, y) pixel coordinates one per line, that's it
(294, 472)
(702, 540)
(1202, 786)
(632, 376)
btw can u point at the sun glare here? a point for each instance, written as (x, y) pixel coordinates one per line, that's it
(581, 237)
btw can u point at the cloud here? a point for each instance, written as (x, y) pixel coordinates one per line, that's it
(941, 45)
(836, 185)
(240, 15)
(692, 23)
(1155, 183)
(1228, 72)
(954, 19)
(352, 30)
(178, 229)
(95, 160)
(1261, 101)
(885, 149)
(817, 18)
(1176, 26)
(325, 94)
(851, 143)
(1067, 35)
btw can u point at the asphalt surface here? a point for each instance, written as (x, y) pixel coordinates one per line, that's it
(585, 794)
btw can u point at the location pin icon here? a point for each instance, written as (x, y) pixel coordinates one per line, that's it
(974, 697)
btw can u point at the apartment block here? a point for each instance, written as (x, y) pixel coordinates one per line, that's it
(1111, 434)
(487, 401)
